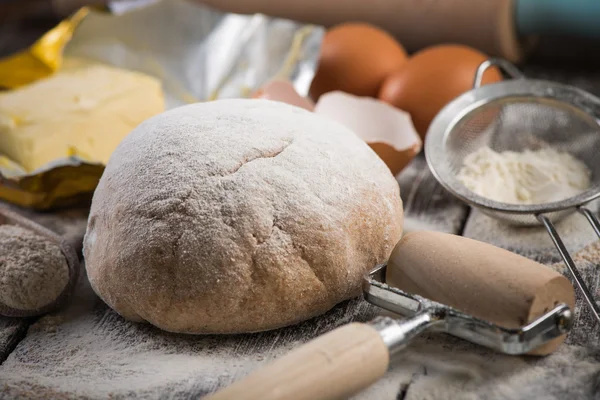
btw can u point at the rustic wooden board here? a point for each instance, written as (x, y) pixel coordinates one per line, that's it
(427, 206)
(532, 242)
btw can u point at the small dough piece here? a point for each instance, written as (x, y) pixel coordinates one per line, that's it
(84, 111)
(238, 216)
(33, 270)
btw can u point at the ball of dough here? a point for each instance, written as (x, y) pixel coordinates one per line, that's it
(33, 270)
(238, 216)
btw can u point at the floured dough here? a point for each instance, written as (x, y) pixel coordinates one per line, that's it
(238, 216)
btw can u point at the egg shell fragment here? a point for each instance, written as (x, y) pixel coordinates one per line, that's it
(283, 91)
(388, 130)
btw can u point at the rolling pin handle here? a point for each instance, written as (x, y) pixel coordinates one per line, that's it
(336, 365)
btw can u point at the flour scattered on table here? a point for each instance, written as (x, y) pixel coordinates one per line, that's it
(530, 177)
(532, 242)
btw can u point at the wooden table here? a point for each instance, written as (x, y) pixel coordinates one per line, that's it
(88, 351)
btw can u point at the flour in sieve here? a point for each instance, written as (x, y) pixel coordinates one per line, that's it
(529, 177)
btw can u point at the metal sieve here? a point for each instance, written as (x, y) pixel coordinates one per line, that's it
(515, 115)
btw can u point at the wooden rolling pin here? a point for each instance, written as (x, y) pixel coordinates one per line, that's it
(485, 25)
(491, 283)
(502, 28)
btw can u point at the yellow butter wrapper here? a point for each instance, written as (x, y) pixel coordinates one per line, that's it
(62, 186)
(43, 58)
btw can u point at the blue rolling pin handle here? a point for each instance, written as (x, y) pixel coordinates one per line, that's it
(558, 17)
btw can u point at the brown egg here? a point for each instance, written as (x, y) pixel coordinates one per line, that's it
(356, 58)
(431, 79)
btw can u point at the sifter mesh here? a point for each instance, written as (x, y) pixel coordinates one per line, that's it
(516, 115)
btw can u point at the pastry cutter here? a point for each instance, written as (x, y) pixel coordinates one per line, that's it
(350, 358)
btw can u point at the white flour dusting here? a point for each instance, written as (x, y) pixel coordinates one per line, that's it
(88, 350)
(533, 242)
(529, 177)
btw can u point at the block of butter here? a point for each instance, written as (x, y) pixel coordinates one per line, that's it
(82, 111)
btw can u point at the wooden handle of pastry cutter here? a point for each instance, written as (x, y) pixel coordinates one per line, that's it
(333, 366)
(479, 279)
(485, 25)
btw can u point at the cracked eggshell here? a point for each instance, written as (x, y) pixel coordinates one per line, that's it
(283, 91)
(388, 130)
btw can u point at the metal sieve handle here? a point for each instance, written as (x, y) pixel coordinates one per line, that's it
(504, 65)
(564, 253)
(591, 219)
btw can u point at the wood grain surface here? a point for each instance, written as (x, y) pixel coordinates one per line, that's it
(88, 351)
